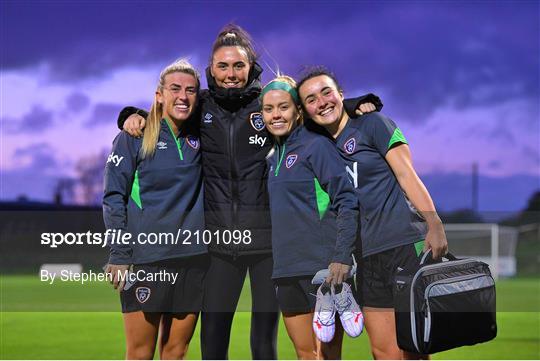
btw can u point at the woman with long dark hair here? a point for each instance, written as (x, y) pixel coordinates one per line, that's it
(398, 217)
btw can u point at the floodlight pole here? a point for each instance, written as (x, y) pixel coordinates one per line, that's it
(474, 196)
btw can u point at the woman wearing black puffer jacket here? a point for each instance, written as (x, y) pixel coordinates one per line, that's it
(234, 144)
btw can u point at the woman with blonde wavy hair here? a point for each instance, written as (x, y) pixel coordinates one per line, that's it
(153, 186)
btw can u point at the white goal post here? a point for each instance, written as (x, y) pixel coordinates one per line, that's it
(487, 242)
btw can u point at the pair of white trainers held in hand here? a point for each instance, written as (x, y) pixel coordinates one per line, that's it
(332, 298)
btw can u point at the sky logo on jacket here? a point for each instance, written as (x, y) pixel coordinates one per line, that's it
(256, 121)
(350, 146)
(291, 159)
(256, 139)
(114, 159)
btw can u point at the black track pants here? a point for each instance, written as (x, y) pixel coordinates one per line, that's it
(223, 286)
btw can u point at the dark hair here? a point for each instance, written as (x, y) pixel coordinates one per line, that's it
(314, 71)
(234, 35)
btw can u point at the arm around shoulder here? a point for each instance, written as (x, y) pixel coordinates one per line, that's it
(126, 112)
(352, 105)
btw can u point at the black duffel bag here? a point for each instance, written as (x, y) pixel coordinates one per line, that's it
(440, 306)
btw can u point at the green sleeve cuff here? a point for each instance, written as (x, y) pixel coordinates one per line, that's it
(397, 137)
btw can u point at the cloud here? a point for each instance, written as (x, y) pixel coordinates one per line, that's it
(424, 56)
(62, 127)
(532, 153)
(104, 113)
(120, 36)
(451, 191)
(77, 101)
(39, 157)
(36, 120)
(501, 133)
(36, 175)
(447, 72)
(416, 54)
(452, 140)
(494, 164)
(22, 182)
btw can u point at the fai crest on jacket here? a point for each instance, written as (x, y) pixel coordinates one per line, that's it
(256, 121)
(193, 142)
(350, 146)
(291, 159)
(142, 294)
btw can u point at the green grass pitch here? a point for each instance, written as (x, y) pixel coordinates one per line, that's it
(70, 321)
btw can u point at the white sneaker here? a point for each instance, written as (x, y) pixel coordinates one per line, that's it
(350, 315)
(324, 322)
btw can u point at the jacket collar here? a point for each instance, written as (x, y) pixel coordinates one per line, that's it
(236, 97)
(291, 137)
(183, 131)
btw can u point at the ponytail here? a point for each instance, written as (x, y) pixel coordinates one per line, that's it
(234, 35)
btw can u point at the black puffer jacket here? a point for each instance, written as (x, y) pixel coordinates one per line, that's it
(234, 146)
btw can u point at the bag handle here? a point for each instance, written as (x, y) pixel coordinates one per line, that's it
(425, 259)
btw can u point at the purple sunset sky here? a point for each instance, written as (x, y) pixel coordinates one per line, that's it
(460, 78)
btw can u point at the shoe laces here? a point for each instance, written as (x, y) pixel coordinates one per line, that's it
(342, 303)
(327, 309)
(326, 318)
(343, 300)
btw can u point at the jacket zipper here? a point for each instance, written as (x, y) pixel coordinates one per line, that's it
(234, 175)
(176, 140)
(280, 159)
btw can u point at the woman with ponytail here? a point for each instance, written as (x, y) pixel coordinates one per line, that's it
(153, 187)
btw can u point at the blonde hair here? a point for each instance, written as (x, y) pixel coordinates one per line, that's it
(288, 80)
(153, 121)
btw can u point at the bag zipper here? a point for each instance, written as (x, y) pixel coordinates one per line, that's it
(427, 319)
(413, 308)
